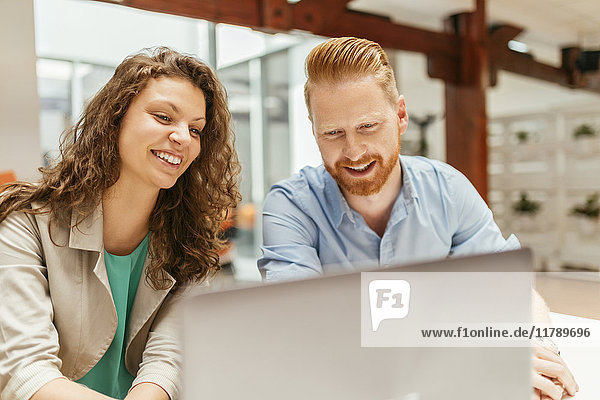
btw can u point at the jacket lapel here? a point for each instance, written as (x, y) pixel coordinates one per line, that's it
(147, 301)
(88, 236)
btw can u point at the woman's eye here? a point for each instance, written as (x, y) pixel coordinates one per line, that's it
(195, 131)
(163, 117)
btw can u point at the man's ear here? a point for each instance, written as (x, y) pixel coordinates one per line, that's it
(402, 114)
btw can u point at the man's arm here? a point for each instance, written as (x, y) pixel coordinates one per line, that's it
(290, 239)
(477, 232)
(475, 229)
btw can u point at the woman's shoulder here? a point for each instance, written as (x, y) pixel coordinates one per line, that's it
(27, 217)
(30, 221)
(19, 236)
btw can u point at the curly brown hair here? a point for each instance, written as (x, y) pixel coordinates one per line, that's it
(186, 218)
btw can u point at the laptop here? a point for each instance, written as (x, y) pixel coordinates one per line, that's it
(302, 339)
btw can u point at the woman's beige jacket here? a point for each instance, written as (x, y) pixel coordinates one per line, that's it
(57, 316)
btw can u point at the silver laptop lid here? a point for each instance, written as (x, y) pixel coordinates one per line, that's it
(302, 340)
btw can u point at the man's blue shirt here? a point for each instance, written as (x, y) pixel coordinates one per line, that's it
(309, 228)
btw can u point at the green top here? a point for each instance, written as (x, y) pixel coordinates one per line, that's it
(109, 376)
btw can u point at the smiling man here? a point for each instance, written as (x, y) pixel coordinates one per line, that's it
(369, 206)
(366, 205)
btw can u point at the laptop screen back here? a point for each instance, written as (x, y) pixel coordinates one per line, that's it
(302, 340)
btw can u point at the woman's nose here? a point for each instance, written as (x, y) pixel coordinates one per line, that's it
(181, 135)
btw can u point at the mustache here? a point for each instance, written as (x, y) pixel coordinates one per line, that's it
(367, 159)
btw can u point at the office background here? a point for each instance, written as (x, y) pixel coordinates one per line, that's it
(58, 53)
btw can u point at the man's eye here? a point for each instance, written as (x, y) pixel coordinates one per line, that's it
(368, 125)
(330, 133)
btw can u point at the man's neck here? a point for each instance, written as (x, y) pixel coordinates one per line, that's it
(376, 209)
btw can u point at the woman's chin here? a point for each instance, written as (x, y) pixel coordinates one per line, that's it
(168, 185)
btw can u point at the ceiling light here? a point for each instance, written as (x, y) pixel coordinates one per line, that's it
(518, 46)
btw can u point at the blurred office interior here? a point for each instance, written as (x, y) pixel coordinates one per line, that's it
(543, 139)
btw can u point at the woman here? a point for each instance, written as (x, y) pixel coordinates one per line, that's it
(92, 258)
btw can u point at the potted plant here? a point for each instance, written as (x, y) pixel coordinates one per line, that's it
(584, 131)
(526, 209)
(589, 211)
(522, 136)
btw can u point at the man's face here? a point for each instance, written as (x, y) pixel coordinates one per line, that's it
(358, 131)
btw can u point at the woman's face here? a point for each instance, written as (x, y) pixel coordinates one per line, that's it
(160, 134)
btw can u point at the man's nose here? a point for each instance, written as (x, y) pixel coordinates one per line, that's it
(354, 148)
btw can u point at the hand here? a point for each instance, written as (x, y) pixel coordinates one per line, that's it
(551, 376)
(147, 391)
(64, 389)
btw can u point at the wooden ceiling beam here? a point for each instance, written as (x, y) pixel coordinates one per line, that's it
(329, 18)
(503, 58)
(236, 12)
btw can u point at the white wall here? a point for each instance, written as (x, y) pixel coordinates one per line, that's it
(104, 33)
(304, 147)
(513, 95)
(423, 96)
(516, 95)
(19, 126)
(236, 44)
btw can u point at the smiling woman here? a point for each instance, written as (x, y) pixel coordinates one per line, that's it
(93, 258)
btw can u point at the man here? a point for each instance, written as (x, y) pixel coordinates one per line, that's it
(365, 204)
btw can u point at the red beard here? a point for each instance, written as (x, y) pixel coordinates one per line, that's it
(369, 185)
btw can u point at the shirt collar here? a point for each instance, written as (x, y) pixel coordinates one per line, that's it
(406, 200)
(338, 206)
(410, 193)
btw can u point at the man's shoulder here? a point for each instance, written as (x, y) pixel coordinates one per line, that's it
(427, 170)
(307, 177)
(302, 188)
(434, 180)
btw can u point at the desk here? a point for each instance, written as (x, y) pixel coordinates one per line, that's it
(584, 362)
